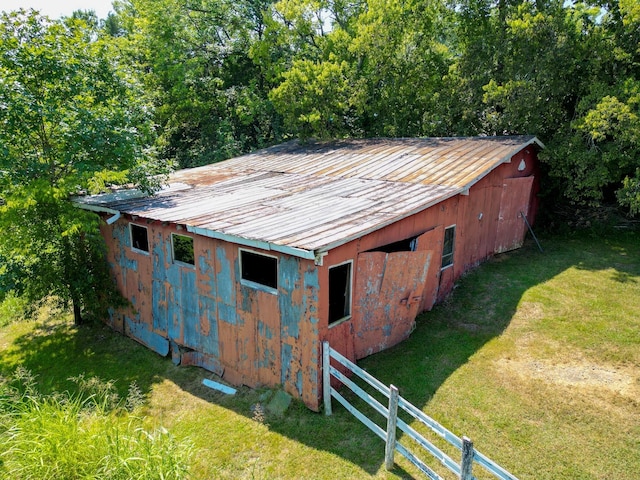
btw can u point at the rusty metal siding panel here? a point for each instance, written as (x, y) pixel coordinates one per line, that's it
(297, 298)
(387, 297)
(516, 195)
(431, 241)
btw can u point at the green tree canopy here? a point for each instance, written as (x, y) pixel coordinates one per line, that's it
(210, 97)
(70, 123)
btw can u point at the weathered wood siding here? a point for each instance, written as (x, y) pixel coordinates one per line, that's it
(203, 315)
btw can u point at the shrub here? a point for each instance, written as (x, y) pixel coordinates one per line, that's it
(12, 308)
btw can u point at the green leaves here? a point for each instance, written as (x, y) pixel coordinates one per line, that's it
(68, 111)
(71, 121)
(314, 99)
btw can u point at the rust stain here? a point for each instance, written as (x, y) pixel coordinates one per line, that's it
(387, 316)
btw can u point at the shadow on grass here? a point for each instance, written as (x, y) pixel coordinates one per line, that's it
(480, 309)
(483, 304)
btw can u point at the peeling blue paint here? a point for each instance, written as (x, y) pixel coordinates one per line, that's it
(265, 331)
(386, 329)
(189, 315)
(227, 313)
(158, 287)
(286, 354)
(313, 373)
(247, 298)
(226, 289)
(299, 382)
(139, 332)
(268, 359)
(121, 233)
(291, 314)
(208, 284)
(312, 286)
(208, 344)
(204, 262)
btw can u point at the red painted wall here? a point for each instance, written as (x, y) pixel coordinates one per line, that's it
(476, 216)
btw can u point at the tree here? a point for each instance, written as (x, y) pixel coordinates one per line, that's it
(193, 57)
(360, 68)
(70, 123)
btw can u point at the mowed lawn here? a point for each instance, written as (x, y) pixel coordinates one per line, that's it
(535, 357)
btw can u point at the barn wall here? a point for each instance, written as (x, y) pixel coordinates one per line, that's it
(203, 315)
(476, 216)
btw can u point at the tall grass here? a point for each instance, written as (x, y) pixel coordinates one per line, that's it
(91, 434)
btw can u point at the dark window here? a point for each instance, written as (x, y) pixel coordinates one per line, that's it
(261, 269)
(406, 245)
(447, 247)
(139, 237)
(183, 249)
(339, 292)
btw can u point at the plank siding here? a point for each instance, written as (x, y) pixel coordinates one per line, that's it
(202, 315)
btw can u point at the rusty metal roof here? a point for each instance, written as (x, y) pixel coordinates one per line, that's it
(306, 198)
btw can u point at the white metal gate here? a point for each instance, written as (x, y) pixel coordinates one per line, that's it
(462, 469)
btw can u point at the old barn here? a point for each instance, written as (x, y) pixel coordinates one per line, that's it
(244, 267)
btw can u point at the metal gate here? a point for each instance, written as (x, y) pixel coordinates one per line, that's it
(469, 455)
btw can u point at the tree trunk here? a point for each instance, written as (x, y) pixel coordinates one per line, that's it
(77, 318)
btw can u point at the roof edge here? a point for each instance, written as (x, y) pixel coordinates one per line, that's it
(330, 246)
(458, 191)
(505, 159)
(247, 242)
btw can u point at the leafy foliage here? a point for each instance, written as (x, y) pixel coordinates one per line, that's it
(210, 98)
(69, 123)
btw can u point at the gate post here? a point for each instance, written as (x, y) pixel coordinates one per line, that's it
(467, 460)
(326, 377)
(390, 446)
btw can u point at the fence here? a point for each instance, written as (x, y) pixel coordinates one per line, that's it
(463, 469)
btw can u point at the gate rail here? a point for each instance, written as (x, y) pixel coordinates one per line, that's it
(462, 469)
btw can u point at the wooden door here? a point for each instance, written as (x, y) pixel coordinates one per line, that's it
(511, 229)
(387, 298)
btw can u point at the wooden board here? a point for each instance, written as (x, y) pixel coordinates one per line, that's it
(516, 195)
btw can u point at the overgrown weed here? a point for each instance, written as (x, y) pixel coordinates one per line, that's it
(91, 434)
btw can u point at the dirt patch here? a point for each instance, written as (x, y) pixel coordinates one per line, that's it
(623, 381)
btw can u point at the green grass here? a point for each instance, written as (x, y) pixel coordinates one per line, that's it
(535, 357)
(90, 434)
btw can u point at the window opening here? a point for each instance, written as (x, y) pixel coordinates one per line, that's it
(257, 268)
(183, 249)
(406, 245)
(448, 246)
(139, 237)
(339, 292)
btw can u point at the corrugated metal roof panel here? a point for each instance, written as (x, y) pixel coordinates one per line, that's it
(311, 197)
